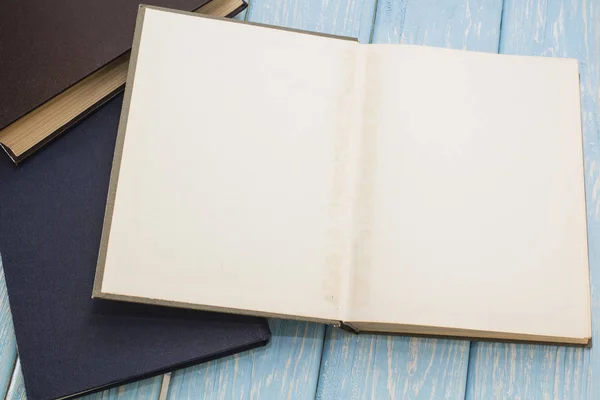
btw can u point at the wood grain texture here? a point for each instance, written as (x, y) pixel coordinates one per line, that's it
(287, 368)
(391, 367)
(16, 390)
(353, 18)
(377, 366)
(556, 28)
(457, 24)
(8, 345)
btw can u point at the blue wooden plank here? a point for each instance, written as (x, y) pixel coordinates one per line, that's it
(457, 24)
(8, 345)
(377, 366)
(380, 366)
(16, 390)
(287, 367)
(561, 28)
(352, 18)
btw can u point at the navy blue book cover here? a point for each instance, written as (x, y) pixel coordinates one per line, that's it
(51, 215)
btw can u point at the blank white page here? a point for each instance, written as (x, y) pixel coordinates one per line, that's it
(473, 205)
(225, 192)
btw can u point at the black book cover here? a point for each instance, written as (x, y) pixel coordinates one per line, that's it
(51, 215)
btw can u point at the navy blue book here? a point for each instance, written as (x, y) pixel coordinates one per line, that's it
(51, 215)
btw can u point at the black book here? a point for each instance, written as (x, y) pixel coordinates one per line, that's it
(51, 215)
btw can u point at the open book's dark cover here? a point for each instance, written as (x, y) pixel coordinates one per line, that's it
(47, 46)
(51, 214)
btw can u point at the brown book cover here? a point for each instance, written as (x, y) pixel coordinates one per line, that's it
(60, 60)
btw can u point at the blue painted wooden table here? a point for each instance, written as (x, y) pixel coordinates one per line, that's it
(306, 360)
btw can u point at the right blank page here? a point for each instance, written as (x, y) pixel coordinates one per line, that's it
(472, 205)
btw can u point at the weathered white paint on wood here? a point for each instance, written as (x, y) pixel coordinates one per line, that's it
(287, 368)
(353, 18)
(554, 28)
(457, 24)
(377, 366)
(8, 346)
(382, 367)
(16, 390)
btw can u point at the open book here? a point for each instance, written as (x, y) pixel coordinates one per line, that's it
(385, 188)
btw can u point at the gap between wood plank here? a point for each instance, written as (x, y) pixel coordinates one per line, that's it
(500, 27)
(373, 21)
(321, 360)
(468, 365)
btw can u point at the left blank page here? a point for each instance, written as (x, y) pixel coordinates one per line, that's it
(225, 191)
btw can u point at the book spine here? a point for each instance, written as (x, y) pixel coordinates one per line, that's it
(353, 159)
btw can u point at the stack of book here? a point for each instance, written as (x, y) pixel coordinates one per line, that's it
(377, 188)
(61, 72)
